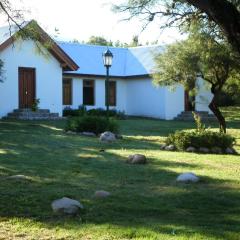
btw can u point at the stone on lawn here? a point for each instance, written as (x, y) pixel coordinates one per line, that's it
(102, 194)
(71, 132)
(66, 206)
(137, 159)
(88, 134)
(187, 178)
(170, 147)
(204, 150)
(18, 177)
(162, 147)
(216, 150)
(230, 151)
(107, 137)
(191, 149)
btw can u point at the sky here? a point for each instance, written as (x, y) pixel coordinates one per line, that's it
(80, 19)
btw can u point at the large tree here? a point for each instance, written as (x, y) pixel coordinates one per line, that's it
(200, 55)
(12, 15)
(224, 13)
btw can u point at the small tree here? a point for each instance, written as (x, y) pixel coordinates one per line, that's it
(199, 55)
(97, 40)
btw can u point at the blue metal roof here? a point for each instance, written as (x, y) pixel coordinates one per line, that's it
(126, 61)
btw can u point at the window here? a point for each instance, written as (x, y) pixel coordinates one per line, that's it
(112, 94)
(88, 92)
(67, 91)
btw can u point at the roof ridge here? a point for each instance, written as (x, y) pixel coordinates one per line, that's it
(113, 47)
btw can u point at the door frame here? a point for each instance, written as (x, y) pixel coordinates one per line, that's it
(34, 83)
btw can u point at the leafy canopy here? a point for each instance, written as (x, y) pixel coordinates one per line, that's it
(199, 55)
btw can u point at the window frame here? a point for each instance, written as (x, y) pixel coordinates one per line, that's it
(71, 92)
(93, 86)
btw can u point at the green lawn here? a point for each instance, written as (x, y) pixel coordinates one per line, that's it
(146, 202)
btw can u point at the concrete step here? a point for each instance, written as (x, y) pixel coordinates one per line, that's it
(28, 110)
(28, 114)
(188, 116)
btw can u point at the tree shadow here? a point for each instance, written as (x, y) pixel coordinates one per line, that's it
(142, 196)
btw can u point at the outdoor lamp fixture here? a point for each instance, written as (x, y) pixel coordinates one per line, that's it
(107, 61)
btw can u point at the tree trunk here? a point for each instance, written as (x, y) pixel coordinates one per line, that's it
(225, 14)
(214, 108)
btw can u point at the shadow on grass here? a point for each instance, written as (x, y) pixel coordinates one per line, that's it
(142, 196)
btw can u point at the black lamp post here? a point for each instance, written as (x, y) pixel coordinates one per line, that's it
(107, 61)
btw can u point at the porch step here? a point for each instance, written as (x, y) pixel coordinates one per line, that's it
(27, 110)
(188, 116)
(28, 114)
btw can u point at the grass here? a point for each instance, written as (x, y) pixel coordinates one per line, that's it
(146, 202)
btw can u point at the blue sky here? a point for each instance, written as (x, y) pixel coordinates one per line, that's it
(80, 19)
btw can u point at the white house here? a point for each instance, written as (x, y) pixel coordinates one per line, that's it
(72, 74)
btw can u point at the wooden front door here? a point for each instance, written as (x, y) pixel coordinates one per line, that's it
(27, 79)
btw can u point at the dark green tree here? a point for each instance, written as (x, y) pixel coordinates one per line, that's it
(200, 55)
(222, 13)
(98, 40)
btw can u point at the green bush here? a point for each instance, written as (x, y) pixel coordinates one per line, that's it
(81, 111)
(200, 137)
(99, 112)
(91, 124)
(209, 139)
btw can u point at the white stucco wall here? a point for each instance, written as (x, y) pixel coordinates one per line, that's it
(174, 102)
(203, 97)
(144, 99)
(48, 77)
(77, 93)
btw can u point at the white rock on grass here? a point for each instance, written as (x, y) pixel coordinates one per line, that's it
(88, 134)
(137, 159)
(187, 178)
(170, 148)
(18, 177)
(71, 132)
(101, 194)
(204, 150)
(162, 147)
(107, 137)
(66, 206)
(230, 151)
(191, 149)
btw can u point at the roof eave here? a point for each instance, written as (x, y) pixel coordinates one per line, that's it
(54, 49)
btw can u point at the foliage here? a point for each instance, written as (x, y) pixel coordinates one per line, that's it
(198, 56)
(103, 113)
(100, 112)
(221, 17)
(81, 111)
(209, 139)
(230, 94)
(200, 137)
(35, 105)
(93, 124)
(200, 127)
(98, 40)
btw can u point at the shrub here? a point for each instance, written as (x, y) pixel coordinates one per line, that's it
(81, 111)
(99, 112)
(200, 137)
(91, 124)
(209, 139)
